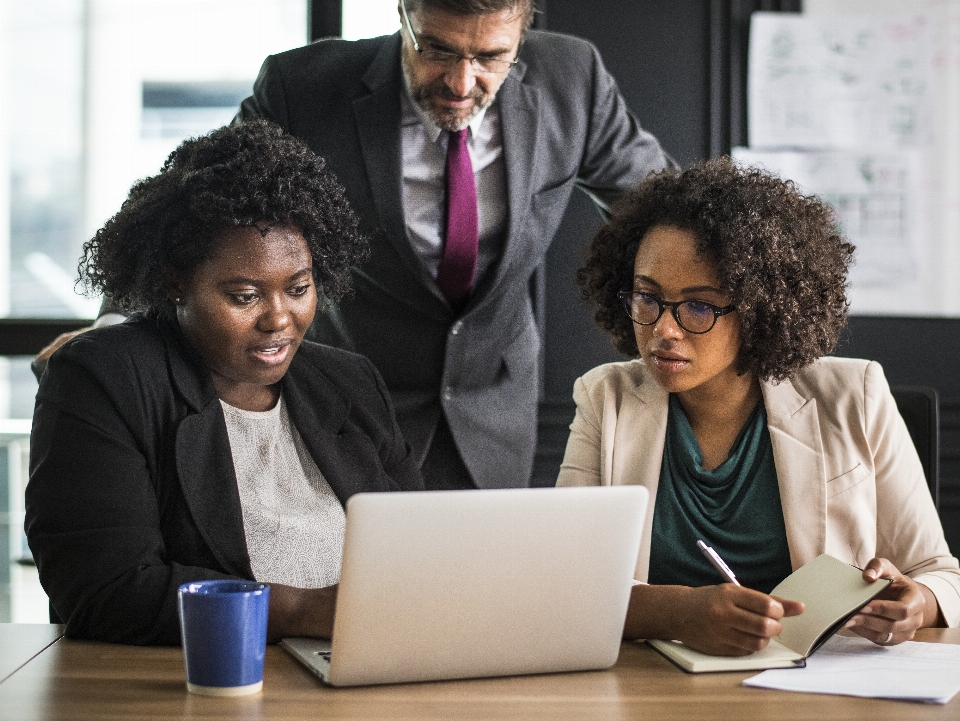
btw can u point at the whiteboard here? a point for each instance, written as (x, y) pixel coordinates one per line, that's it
(864, 111)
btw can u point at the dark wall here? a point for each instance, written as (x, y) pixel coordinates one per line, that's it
(921, 351)
(660, 54)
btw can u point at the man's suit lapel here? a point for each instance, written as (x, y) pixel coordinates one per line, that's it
(378, 118)
(798, 456)
(520, 125)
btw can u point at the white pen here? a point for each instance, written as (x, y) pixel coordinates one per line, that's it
(717, 563)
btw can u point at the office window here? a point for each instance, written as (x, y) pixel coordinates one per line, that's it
(94, 94)
(369, 18)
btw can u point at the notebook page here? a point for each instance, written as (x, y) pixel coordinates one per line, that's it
(831, 591)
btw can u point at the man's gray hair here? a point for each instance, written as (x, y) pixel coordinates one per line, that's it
(476, 7)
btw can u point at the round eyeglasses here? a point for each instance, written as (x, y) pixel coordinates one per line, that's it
(447, 59)
(694, 316)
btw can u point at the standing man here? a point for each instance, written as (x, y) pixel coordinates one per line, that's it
(459, 140)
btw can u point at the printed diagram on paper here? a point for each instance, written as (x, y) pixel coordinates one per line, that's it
(876, 200)
(818, 83)
(863, 111)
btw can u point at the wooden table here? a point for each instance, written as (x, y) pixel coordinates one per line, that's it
(85, 680)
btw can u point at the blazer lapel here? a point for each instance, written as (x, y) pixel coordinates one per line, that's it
(378, 118)
(633, 453)
(320, 412)
(519, 123)
(798, 456)
(205, 466)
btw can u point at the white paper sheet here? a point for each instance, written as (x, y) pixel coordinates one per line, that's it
(911, 671)
(879, 202)
(872, 78)
(818, 83)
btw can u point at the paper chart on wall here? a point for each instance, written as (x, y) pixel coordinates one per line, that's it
(818, 83)
(873, 101)
(877, 199)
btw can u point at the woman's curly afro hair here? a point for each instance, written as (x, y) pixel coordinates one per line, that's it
(251, 174)
(778, 254)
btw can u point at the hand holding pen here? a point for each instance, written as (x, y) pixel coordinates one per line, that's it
(725, 619)
(718, 563)
(730, 619)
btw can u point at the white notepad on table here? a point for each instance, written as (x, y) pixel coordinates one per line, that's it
(854, 666)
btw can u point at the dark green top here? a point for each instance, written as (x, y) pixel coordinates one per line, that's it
(735, 508)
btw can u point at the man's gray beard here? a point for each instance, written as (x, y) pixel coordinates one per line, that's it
(449, 124)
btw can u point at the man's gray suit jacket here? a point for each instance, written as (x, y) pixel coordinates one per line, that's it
(564, 124)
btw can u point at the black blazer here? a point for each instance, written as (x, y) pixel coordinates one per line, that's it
(132, 488)
(565, 125)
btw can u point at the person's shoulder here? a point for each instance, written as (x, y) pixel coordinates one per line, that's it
(834, 378)
(138, 339)
(563, 68)
(831, 371)
(322, 79)
(333, 54)
(618, 378)
(546, 41)
(553, 54)
(122, 359)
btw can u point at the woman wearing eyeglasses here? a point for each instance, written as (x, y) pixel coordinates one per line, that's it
(731, 287)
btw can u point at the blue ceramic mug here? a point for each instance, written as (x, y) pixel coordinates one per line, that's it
(224, 628)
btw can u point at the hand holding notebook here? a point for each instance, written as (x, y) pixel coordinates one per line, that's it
(904, 606)
(831, 592)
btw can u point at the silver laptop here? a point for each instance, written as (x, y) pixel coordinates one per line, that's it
(464, 584)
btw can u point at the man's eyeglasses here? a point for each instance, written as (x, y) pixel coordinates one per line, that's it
(447, 59)
(694, 316)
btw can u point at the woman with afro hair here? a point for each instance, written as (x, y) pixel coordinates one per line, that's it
(728, 287)
(205, 438)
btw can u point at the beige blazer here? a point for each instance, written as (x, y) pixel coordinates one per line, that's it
(851, 483)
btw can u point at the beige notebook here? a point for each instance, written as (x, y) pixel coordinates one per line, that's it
(831, 591)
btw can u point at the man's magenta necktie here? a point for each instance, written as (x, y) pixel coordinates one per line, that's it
(459, 262)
